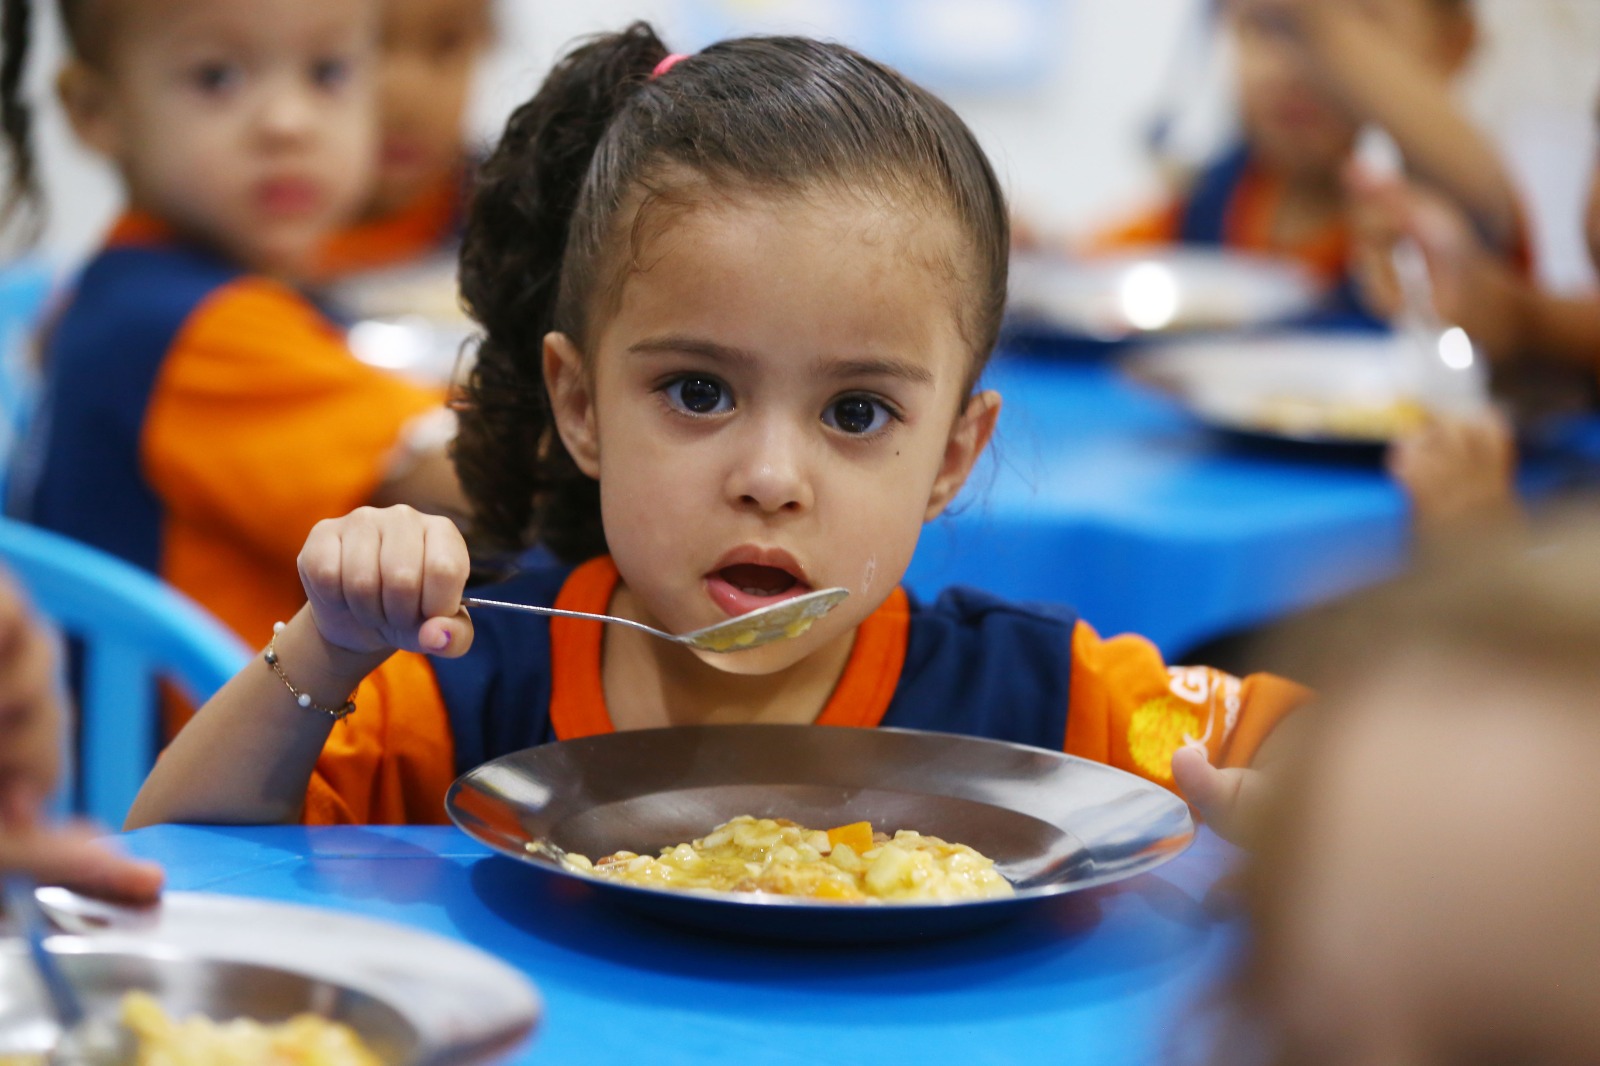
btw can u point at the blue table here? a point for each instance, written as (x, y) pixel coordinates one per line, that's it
(1106, 496)
(1098, 978)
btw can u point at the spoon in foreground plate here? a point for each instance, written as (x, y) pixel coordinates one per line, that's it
(761, 626)
(86, 1039)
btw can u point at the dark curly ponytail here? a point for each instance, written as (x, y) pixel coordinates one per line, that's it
(554, 213)
(523, 484)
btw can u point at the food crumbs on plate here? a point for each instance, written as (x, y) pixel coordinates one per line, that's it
(304, 1040)
(847, 864)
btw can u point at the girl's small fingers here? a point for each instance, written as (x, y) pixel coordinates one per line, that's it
(400, 569)
(319, 562)
(445, 569)
(360, 582)
(447, 637)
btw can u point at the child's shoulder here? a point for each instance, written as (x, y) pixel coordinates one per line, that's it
(136, 297)
(963, 605)
(964, 622)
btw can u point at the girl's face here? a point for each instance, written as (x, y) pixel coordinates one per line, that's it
(776, 405)
(430, 50)
(244, 123)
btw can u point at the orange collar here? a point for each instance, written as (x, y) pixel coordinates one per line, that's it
(1253, 211)
(578, 699)
(139, 227)
(416, 230)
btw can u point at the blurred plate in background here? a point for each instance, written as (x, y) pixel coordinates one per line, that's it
(408, 319)
(413, 998)
(1052, 823)
(1160, 291)
(1337, 389)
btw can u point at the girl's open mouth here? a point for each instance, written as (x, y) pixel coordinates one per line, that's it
(743, 587)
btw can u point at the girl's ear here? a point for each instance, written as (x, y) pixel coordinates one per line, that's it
(87, 100)
(572, 401)
(968, 437)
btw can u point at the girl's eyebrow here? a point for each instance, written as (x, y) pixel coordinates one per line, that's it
(841, 368)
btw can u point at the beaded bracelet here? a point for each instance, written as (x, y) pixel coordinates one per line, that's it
(303, 698)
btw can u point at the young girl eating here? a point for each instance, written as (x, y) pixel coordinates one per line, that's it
(735, 306)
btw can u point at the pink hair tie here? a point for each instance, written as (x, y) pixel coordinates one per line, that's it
(667, 63)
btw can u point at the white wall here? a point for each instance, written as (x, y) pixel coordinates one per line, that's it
(1071, 152)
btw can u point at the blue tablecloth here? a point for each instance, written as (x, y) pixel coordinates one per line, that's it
(1106, 496)
(1103, 977)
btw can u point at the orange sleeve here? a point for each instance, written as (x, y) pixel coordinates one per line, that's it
(391, 762)
(1130, 710)
(261, 422)
(1156, 226)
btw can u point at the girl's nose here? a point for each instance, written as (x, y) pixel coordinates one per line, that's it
(769, 474)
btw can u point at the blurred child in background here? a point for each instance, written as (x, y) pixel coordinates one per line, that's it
(199, 414)
(1423, 889)
(428, 53)
(31, 723)
(1311, 74)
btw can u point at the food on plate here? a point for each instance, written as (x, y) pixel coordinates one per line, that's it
(847, 864)
(303, 1040)
(161, 1040)
(1349, 419)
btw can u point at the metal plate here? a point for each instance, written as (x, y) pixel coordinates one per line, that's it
(1053, 823)
(1301, 388)
(1159, 291)
(415, 998)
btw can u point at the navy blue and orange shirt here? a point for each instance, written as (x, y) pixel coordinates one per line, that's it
(197, 420)
(968, 663)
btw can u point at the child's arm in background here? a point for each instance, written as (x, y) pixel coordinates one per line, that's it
(1459, 473)
(1504, 313)
(421, 473)
(1380, 82)
(31, 721)
(376, 581)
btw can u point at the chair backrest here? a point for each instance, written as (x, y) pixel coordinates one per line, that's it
(133, 630)
(24, 287)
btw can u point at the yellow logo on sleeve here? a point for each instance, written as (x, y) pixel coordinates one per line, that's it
(1158, 728)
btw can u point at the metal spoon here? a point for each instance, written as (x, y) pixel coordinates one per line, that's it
(86, 1039)
(761, 626)
(1441, 365)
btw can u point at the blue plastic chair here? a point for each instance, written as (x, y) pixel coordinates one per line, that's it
(24, 288)
(134, 630)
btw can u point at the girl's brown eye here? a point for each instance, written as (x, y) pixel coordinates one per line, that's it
(702, 396)
(856, 415)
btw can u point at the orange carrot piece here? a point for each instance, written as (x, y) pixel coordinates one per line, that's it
(857, 834)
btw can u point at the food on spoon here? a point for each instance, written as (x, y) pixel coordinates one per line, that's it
(849, 863)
